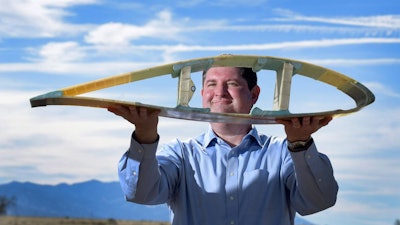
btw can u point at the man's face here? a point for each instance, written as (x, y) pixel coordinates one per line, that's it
(226, 91)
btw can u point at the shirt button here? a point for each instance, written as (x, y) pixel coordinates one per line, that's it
(232, 197)
(231, 173)
(308, 156)
(232, 222)
(134, 173)
(139, 150)
(320, 180)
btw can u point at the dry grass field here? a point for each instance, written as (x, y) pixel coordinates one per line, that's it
(10, 220)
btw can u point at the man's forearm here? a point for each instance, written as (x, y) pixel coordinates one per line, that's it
(138, 171)
(315, 181)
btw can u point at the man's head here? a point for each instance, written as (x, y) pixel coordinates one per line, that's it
(247, 73)
(229, 89)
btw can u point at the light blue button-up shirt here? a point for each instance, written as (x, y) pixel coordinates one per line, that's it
(204, 181)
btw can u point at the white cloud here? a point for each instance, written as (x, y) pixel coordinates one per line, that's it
(363, 133)
(162, 27)
(306, 44)
(31, 18)
(379, 21)
(382, 89)
(366, 171)
(223, 3)
(61, 52)
(358, 212)
(90, 69)
(65, 143)
(59, 141)
(363, 150)
(68, 57)
(355, 62)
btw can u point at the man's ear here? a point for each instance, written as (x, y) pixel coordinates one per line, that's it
(255, 92)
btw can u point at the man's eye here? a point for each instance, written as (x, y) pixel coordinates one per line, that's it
(210, 84)
(233, 84)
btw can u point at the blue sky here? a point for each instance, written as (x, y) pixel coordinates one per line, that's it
(46, 45)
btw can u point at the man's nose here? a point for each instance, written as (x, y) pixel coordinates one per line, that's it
(221, 89)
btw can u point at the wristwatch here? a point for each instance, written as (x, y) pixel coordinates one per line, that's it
(298, 146)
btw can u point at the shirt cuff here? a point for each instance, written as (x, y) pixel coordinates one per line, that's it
(138, 151)
(303, 158)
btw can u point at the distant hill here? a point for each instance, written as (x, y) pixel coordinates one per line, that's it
(91, 199)
(14, 220)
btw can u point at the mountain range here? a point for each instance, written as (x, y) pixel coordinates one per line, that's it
(90, 199)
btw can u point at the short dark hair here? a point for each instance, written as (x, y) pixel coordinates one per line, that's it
(247, 73)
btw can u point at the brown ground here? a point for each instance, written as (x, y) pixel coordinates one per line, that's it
(10, 220)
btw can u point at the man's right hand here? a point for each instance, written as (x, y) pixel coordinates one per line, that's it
(145, 122)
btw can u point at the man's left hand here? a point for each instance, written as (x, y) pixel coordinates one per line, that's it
(301, 128)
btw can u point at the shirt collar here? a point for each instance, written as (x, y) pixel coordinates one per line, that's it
(210, 136)
(254, 133)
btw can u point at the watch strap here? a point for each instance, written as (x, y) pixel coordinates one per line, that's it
(298, 146)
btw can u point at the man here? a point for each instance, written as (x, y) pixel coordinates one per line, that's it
(230, 174)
